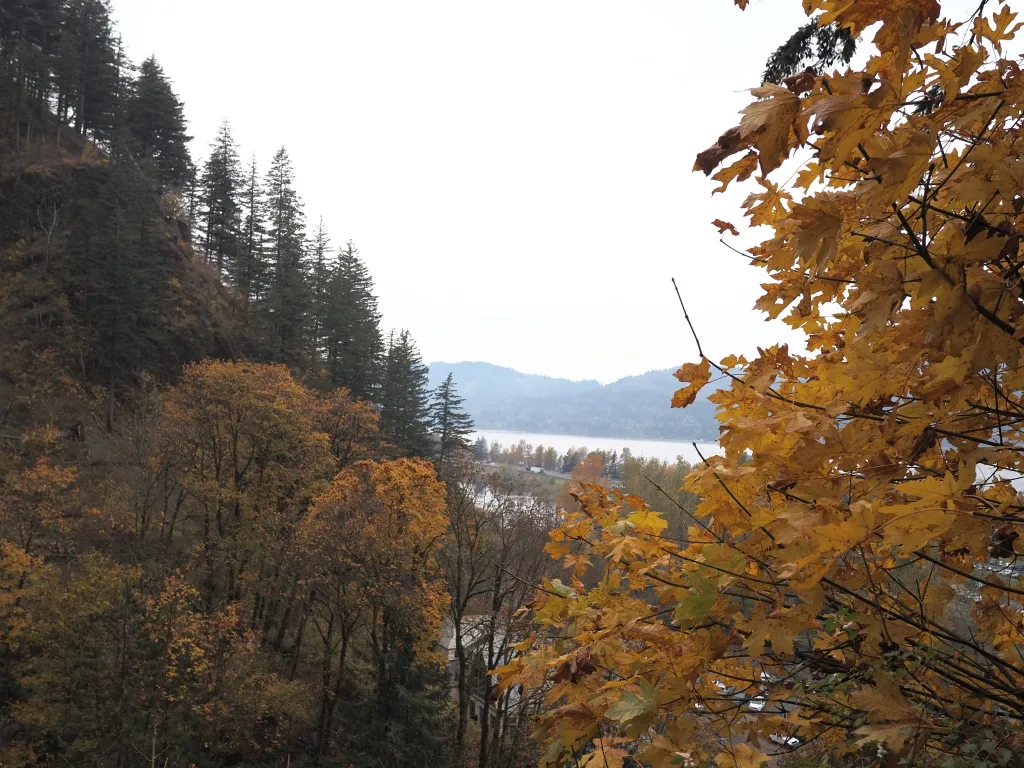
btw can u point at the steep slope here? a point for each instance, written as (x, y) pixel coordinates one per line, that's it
(52, 315)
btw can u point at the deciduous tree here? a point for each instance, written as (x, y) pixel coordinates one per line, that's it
(857, 574)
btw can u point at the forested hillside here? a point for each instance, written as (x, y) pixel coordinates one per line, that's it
(241, 526)
(633, 407)
(223, 527)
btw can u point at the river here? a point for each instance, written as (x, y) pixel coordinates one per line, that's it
(666, 450)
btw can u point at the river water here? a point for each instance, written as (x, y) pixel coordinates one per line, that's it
(666, 450)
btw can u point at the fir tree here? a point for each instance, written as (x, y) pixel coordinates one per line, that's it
(288, 299)
(90, 72)
(220, 188)
(155, 119)
(404, 398)
(249, 269)
(119, 275)
(811, 46)
(352, 339)
(452, 425)
(481, 450)
(319, 294)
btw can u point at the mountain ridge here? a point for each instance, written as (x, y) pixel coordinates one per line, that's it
(638, 406)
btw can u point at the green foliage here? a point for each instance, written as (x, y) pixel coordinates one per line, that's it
(404, 398)
(120, 273)
(812, 46)
(452, 425)
(220, 218)
(287, 301)
(155, 121)
(353, 348)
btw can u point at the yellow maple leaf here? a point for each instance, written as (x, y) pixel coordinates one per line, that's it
(770, 122)
(695, 375)
(743, 756)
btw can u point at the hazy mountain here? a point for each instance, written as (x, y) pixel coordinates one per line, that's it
(635, 407)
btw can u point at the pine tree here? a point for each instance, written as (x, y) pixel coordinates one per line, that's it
(319, 294)
(288, 299)
(404, 398)
(353, 344)
(220, 188)
(452, 425)
(155, 119)
(249, 269)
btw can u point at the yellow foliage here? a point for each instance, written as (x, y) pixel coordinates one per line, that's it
(855, 575)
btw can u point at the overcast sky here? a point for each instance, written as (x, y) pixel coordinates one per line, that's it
(517, 175)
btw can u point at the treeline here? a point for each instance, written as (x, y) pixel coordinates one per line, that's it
(614, 463)
(136, 205)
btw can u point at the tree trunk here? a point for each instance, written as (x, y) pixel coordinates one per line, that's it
(325, 688)
(462, 684)
(339, 681)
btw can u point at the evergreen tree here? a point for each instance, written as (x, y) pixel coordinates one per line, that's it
(481, 450)
(155, 119)
(813, 46)
(352, 339)
(404, 398)
(452, 425)
(120, 274)
(319, 294)
(249, 269)
(89, 68)
(288, 299)
(28, 40)
(220, 188)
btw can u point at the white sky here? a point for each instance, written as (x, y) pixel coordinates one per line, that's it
(517, 175)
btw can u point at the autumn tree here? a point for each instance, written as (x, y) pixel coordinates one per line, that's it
(854, 572)
(241, 441)
(378, 528)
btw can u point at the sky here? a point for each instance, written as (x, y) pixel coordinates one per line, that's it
(516, 175)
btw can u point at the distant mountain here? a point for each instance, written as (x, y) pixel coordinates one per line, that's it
(634, 407)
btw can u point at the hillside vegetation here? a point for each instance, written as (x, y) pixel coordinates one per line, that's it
(224, 533)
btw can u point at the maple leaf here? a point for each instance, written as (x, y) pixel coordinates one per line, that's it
(886, 704)
(695, 376)
(742, 756)
(728, 143)
(632, 706)
(724, 226)
(769, 124)
(738, 171)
